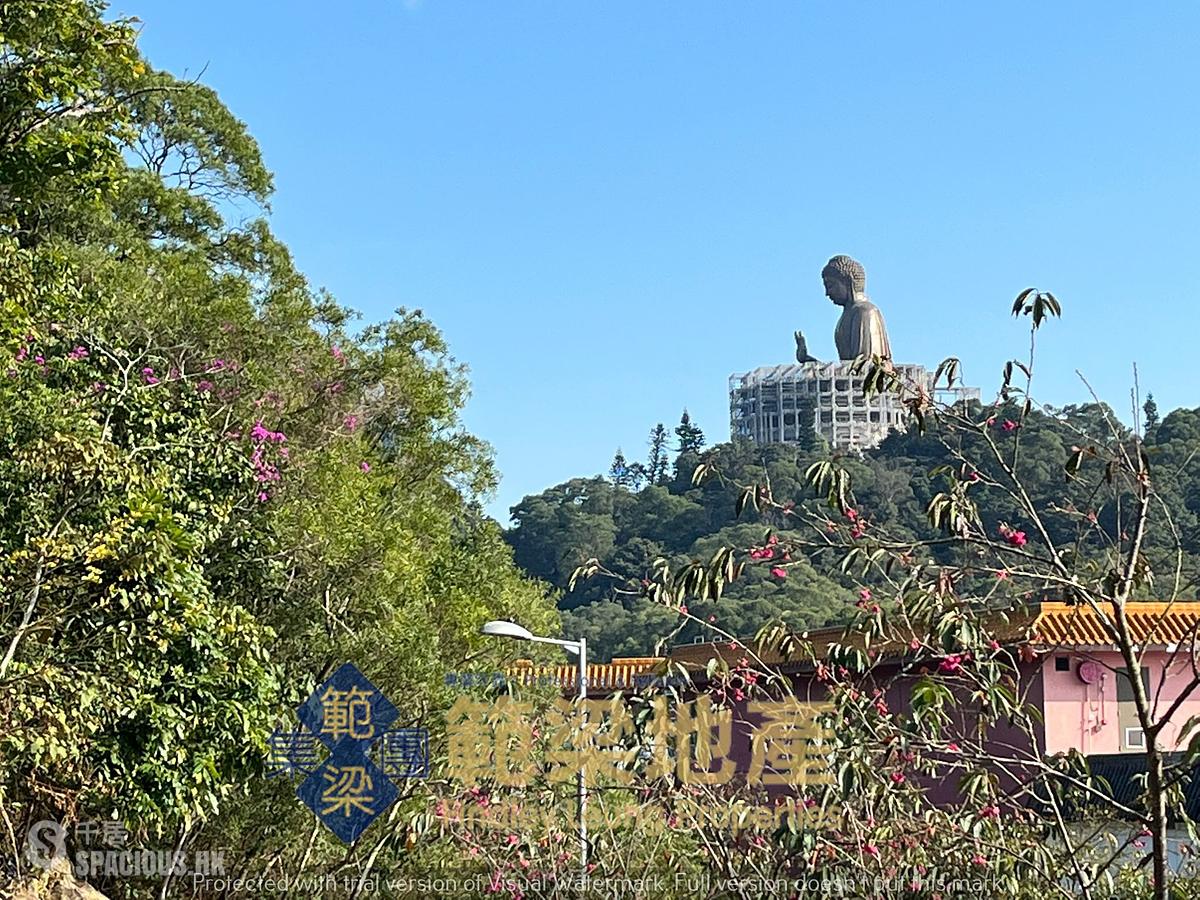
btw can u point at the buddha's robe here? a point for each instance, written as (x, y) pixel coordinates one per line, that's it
(861, 332)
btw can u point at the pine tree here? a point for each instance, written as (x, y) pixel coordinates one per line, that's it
(1150, 409)
(806, 432)
(619, 473)
(691, 438)
(656, 466)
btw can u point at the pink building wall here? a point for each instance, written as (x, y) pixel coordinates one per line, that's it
(1086, 717)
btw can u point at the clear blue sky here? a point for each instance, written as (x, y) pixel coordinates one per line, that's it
(610, 207)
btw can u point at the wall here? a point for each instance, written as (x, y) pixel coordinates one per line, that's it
(1087, 717)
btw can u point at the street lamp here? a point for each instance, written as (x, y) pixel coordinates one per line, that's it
(513, 630)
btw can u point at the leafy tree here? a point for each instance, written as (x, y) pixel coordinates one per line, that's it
(217, 487)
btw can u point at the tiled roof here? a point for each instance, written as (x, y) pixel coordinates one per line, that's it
(623, 673)
(1041, 626)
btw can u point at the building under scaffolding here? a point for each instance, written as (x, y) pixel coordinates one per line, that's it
(769, 405)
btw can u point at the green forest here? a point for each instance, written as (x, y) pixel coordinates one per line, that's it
(642, 511)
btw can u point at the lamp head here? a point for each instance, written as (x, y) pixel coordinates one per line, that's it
(498, 628)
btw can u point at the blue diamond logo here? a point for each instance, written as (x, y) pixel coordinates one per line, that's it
(347, 793)
(347, 711)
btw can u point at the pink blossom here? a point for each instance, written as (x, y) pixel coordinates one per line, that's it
(1010, 425)
(260, 433)
(78, 353)
(951, 663)
(978, 860)
(994, 644)
(852, 514)
(217, 365)
(365, 466)
(262, 496)
(513, 840)
(1002, 574)
(682, 610)
(779, 572)
(712, 618)
(871, 850)
(351, 422)
(204, 386)
(914, 644)
(1017, 538)
(897, 778)
(22, 354)
(991, 811)
(338, 354)
(99, 387)
(865, 593)
(952, 747)
(40, 360)
(973, 476)
(857, 532)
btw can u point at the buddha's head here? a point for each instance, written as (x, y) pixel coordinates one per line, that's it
(844, 280)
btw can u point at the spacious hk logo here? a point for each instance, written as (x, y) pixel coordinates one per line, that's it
(352, 720)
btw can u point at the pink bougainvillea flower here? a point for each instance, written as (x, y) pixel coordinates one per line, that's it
(338, 353)
(897, 778)
(952, 747)
(991, 811)
(978, 860)
(973, 476)
(22, 354)
(994, 644)
(40, 360)
(682, 610)
(779, 572)
(351, 422)
(1010, 425)
(365, 466)
(78, 353)
(513, 840)
(871, 850)
(772, 540)
(712, 618)
(1002, 574)
(217, 365)
(1017, 538)
(865, 593)
(991, 420)
(857, 532)
(263, 496)
(204, 386)
(851, 514)
(914, 644)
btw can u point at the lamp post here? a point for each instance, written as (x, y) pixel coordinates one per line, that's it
(579, 647)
